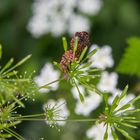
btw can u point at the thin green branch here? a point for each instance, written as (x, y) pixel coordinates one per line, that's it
(46, 85)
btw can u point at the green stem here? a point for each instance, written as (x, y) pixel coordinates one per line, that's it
(79, 120)
(51, 83)
(26, 116)
(18, 80)
(67, 120)
(14, 134)
(91, 88)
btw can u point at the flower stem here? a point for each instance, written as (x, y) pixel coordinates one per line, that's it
(67, 120)
(26, 116)
(51, 83)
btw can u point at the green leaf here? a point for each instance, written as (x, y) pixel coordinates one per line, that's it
(18, 101)
(129, 104)
(8, 64)
(105, 95)
(130, 62)
(86, 65)
(114, 135)
(65, 44)
(46, 86)
(83, 53)
(12, 124)
(19, 63)
(132, 111)
(79, 72)
(89, 76)
(75, 46)
(11, 73)
(5, 136)
(57, 65)
(2, 100)
(106, 133)
(118, 98)
(90, 54)
(126, 106)
(123, 94)
(90, 87)
(94, 70)
(123, 132)
(81, 97)
(82, 79)
(114, 104)
(127, 125)
(132, 121)
(23, 60)
(134, 100)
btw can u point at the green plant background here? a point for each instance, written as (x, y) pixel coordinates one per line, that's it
(117, 21)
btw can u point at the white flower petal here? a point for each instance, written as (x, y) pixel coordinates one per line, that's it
(78, 23)
(102, 58)
(108, 82)
(91, 7)
(96, 132)
(91, 102)
(59, 16)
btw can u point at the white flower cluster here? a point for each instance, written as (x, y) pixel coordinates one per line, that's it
(59, 16)
(103, 57)
(108, 83)
(47, 75)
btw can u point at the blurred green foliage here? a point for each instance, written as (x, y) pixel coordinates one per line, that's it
(130, 62)
(117, 21)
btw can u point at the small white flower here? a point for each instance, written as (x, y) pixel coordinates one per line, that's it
(91, 7)
(96, 132)
(102, 58)
(58, 111)
(38, 25)
(108, 82)
(59, 27)
(48, 74)
(91, 102)
(78, 23)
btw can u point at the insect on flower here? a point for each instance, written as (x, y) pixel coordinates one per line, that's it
(74, 64)
(83, 41)
(73, 54)
(67, 59)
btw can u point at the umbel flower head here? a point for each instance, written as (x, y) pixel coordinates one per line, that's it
(118, 118)
(10, 118)
(56, 112)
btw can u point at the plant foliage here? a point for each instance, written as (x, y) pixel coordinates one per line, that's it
(130, 62)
